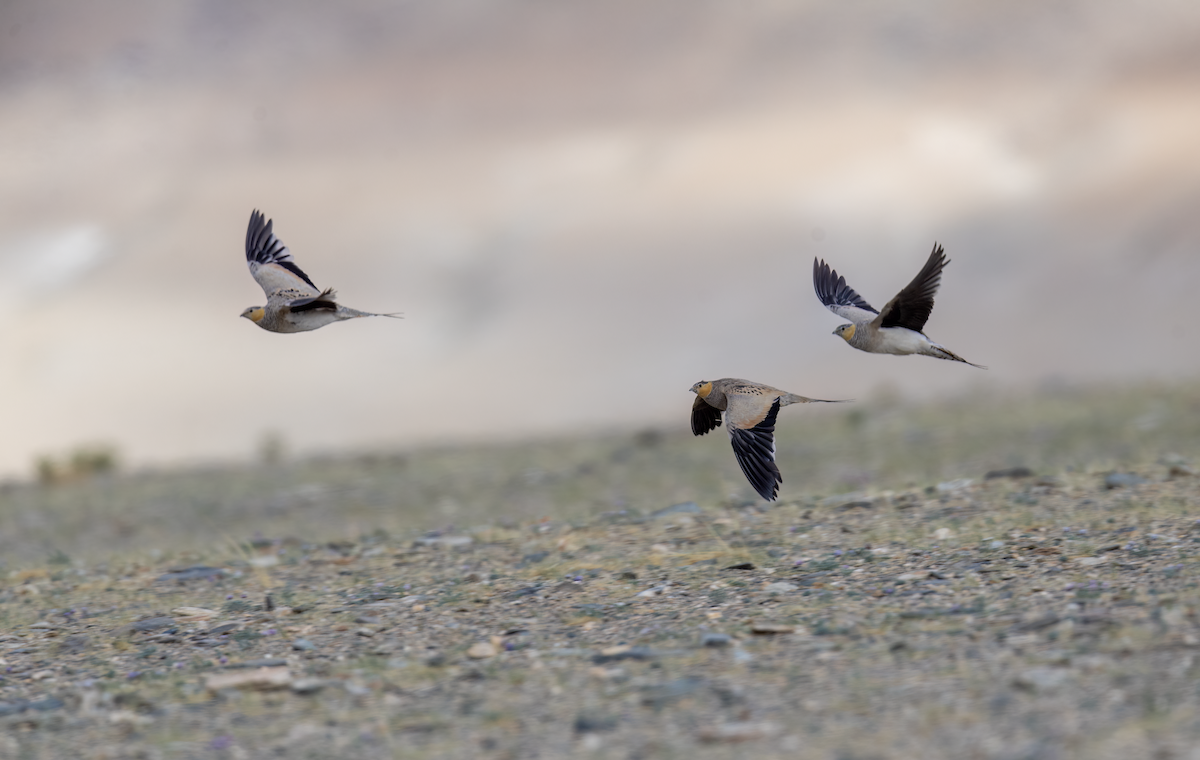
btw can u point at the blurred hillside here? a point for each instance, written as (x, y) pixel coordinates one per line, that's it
(581, 209)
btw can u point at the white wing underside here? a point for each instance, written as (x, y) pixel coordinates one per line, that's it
(274, 278)
(853, 313)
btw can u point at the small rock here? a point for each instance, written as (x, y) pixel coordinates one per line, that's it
(1090, 561)
(625, 652)
(303, 645)
(367, 620)
(264, 560)
(997, 544)
(739, 731)
(941, 534)
(1041, 680)
(481, 650)
(741, 566)
(1180, 470)
(356, 689)
(195, 613)
(686, 508)
(43, 625)
(767, 629)
(1010, 472)
(261, 679)
(365, 632)
(308, 685)
(951, 486)
(1122, 480)
(663, 694)
(445, 541)
(716, 640)
(780, 587)
(592, 723)
(192, 573)
(129, 718)
(151, 624)
(262, 662)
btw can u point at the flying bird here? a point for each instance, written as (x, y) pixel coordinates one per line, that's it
(294, 304)
(898, 328)
(750, 411)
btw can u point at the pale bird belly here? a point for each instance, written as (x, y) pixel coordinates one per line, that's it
(900, 340)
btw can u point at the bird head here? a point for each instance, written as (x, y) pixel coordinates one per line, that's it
(702, 388)
(845, 332)
(255, 314)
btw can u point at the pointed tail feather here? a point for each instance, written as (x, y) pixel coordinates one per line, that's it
(942, 352)
(792, 398)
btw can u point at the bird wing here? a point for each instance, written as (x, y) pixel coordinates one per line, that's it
(750, 421)
(911, 307)
(323, 300)
(839, 297)
(705, 418)
(270, 261)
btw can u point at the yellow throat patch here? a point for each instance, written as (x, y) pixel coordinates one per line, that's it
(704, 390)
(848, 332)
(257, 315)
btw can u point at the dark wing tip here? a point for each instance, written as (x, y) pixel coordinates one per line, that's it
(755, 452)
(832, 289)
(912, 306)
(705, 418)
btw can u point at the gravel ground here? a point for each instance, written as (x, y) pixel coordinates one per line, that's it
(1016, 613)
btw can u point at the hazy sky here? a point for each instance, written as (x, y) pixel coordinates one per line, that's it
(581, 209)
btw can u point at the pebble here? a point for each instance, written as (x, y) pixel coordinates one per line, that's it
(262, 679)
(1042, 679)
(1122, 479)
(686, 508)
(151, 624)
(767, 629)
(1010, 472)
(192, 573)
(445, 541)
(716, 640)
(1180, 471)
(303, 645)
(740, 731)
(264, 560)
(196, 613)
(780, 587)
(482, 650)
(661, 695)
(264, 662)
(951, 486)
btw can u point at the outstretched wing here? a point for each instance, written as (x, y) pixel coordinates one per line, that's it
(705, 418)
(753, 439)
(271, 262)
(839, 297)
(911, 307)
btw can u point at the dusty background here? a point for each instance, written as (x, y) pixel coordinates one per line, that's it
(582, 209)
